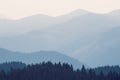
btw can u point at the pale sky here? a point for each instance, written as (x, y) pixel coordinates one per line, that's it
(15, 9)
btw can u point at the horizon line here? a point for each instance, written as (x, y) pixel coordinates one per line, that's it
(14, 19)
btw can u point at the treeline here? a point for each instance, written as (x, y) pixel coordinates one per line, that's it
(107, 69)
(57, 71)
(8, 66)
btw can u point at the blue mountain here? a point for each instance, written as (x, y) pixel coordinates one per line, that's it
(89, 37)
(37, 57)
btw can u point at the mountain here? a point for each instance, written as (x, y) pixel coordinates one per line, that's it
(17, 27)
(62, 35)
(40, 21)
(115, 14)
(104, 51)
(34, 22)
(72, 15)
(81, 36)
(37, 57)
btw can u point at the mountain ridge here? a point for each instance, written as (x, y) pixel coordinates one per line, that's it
(37, 57)
(34, 22)
(73, 36)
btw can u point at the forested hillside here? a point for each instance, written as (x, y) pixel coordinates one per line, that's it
(50, 71)
(8, 66)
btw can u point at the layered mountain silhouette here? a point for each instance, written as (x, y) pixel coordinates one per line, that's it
(35, 22)
(38, 57)
(104, 50)
(40, 21)
(89, 37)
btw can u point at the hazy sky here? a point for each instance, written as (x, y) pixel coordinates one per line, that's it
(15, 9)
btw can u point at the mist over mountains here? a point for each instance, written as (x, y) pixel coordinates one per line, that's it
(91, 38)
(35, 22)
(38, 57)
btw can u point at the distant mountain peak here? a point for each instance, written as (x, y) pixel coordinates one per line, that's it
(115, 13)
(80, 11)
(76, 13)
